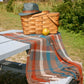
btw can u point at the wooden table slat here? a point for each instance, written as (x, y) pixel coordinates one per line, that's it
(4, 39)
(11, 48)
(11, 31)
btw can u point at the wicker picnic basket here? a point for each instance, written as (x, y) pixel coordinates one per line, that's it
(34, 24)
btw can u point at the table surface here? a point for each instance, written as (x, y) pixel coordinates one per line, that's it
(9, 47)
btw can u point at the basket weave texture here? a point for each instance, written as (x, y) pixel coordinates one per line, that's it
(34, 24)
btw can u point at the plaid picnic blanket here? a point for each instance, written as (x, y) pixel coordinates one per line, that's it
(48, 62)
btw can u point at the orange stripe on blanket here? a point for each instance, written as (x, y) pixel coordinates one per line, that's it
(33, 66)
(76, 65)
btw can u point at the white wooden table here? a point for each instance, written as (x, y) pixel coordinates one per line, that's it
(9, 47)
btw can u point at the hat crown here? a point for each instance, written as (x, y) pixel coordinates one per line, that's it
(30, 6)
(30, 9)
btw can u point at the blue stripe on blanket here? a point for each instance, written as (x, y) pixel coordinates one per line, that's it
(50, 67)
(60, 65)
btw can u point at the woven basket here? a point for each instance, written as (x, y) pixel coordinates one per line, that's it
(34, 24)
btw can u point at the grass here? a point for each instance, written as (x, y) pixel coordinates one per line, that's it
(74, 43)
(9, 21)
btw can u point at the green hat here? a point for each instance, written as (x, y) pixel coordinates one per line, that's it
(29, 9)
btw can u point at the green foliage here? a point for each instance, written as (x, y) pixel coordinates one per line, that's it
(14, 6)
(71, 15)
(66, 1)
(9, 6)
(17, 7)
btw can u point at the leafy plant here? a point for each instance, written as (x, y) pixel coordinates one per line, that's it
(9, 6)
(71, 15)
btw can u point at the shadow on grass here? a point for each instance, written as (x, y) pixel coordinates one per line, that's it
(12, 78)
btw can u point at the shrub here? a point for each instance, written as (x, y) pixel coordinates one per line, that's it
(71, 15)
(9, 6)
(14, 6)
(17, 7)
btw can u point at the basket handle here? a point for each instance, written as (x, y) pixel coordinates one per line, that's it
(40, 14)
(52, 20)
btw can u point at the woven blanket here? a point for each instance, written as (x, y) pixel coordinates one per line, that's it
(48, 62)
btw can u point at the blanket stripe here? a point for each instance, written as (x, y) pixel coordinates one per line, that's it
(73, 63)
(48, 62)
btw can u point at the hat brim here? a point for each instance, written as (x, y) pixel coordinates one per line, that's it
(24, 14)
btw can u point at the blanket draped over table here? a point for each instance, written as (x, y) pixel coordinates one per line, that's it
(48, 62)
